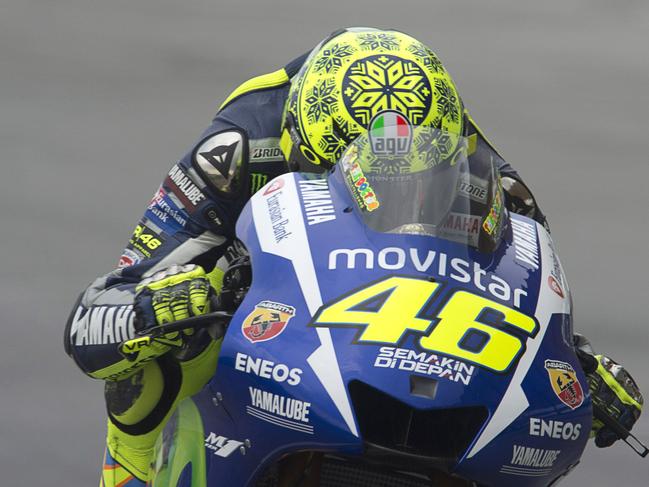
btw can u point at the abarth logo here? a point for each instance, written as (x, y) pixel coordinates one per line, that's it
(266, 321)
(565, 384)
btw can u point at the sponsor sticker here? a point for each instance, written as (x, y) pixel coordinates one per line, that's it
(475, 189)
(317, 202)
(530, 462)
(280, 410)
(424, 363)
(184, 188)
(221, 446)
(102, 325)
(265, 150)
(276, 213)
(463, 226)
(276, 185)
(555, 279)
(166, 212)
(565, 384)
(257, 181)
(492, 220)
(144, 240)
(552, 428)
(363, 192)
(526, 250)
(427, 261)
(555, 286)
(266, 154)
(128, 258)
(267, 369)
(266, 321)
(390, 133)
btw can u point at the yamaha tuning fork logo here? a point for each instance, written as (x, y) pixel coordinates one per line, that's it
(390, 134)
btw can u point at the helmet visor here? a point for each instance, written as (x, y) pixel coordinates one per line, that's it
(420, 180)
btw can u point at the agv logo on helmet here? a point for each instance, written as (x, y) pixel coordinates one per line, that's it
(390, 134)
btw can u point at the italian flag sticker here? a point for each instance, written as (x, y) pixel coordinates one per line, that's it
(390, 133)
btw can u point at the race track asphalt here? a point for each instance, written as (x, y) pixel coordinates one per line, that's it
(98, 99)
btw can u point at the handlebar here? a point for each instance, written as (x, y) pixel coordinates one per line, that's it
(216, 324)
(623, 433)
(218, 319)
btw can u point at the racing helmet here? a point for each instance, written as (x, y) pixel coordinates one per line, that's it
(348, 79)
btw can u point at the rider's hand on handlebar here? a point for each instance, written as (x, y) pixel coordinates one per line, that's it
(174, 294)
(613, 390)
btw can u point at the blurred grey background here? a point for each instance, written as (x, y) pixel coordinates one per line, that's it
(99, 98)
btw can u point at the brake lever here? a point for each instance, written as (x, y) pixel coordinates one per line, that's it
(589, 365)
(216, 323)
(219, 319)
(623, 433)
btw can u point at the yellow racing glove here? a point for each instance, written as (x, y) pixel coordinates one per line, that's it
(613, 390)
(170, 295)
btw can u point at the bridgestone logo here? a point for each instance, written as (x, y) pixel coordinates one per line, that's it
(266, 154)
(476, 189)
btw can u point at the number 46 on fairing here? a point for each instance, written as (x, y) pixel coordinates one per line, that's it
(467, 326)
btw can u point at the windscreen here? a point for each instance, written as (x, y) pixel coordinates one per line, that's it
(421, 180)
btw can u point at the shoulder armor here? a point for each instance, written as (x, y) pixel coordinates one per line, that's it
(221, 160)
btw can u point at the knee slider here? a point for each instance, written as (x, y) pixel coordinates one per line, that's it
(134, 398)
(138, 404)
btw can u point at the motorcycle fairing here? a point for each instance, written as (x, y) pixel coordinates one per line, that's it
(292, 265)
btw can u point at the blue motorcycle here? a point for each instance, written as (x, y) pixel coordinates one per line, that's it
(401, 328)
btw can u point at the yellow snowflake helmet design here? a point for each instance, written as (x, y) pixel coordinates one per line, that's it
(349, 78)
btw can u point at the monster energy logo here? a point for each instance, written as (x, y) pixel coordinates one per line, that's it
(257, 181)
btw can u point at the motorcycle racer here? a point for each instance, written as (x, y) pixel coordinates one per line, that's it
(300, 117)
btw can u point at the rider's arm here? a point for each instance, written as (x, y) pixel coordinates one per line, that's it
(190, 220)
